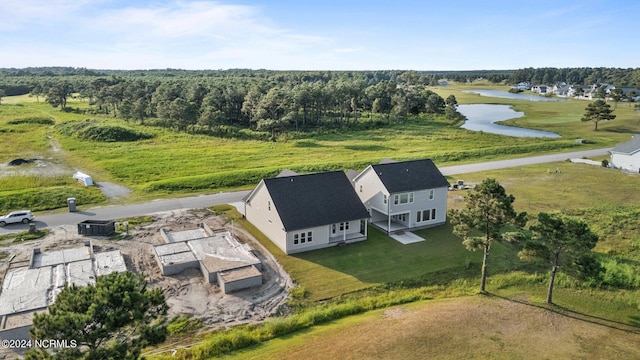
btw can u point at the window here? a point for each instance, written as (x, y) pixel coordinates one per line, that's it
(431, 194)
(423, 215)
(360, 187)
(269, 205)
(344, 226)
(433, 214)
(403, 198)
(303, 237)
(384, 199)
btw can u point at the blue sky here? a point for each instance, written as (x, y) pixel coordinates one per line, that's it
(319, 35)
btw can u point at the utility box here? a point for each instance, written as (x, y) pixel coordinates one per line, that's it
(71, 203)
(97, 228)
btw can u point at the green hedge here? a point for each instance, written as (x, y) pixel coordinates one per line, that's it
(32, 120)
(228, 179)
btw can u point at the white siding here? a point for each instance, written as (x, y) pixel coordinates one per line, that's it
(267, 221)
(373, 191)
(421, 202)
(320, 239)
(626, 162)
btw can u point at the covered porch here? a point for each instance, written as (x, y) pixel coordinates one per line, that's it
(390, 223)
(345, 236)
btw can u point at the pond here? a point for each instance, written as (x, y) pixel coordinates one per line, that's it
(481, 117)
(508, 95)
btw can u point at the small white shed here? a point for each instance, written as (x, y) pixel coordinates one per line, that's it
(83, 178)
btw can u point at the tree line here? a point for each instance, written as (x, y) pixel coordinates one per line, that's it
(577, 76)
(266, 101)
(272, 102)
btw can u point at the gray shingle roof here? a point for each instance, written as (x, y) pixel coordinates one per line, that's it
(410, 175)
(628, 147)
(306, 201)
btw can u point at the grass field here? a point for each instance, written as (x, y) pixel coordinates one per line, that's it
(175, 162)
(461, 328)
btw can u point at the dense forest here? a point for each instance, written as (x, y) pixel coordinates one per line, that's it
(239, 101)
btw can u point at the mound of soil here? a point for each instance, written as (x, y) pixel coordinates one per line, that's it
(17, 162)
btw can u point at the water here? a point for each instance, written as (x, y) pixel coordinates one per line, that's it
(481, 117)
(508, 95)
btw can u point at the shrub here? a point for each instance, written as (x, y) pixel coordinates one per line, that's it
(183, 324)
(32, 120)
(620, 274)
(228, 179)
(96, 130)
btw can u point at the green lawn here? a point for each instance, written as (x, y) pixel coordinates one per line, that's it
(380, 259)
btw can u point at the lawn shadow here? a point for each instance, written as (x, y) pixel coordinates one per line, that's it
(622, 130)
(632, 327)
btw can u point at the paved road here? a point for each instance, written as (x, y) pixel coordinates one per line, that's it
(123, 211)
(501, 164)
(202, 201)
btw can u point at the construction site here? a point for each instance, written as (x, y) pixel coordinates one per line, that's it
(207, 268)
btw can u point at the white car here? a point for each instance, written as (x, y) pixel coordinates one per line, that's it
(23, 216)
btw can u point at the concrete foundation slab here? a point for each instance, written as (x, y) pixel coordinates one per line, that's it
(108, 262)
(36, 286)
(406, 237)
(25, 289)
(213, 253)
(60, 257)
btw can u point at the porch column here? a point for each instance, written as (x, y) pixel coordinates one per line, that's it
(388, 214)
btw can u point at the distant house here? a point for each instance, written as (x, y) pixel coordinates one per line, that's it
(403, 195)
(561, 89)
(578, 90)
(306, 212)
(524, 85)
(626, 156)
(540, 89)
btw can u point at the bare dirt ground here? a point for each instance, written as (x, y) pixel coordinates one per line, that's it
(39, 167)
(186, 293)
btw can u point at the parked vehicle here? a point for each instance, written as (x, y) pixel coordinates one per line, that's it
(23, 216)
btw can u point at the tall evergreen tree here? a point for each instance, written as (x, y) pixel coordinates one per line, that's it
(489, 210)
(560, 241)
(598, 111)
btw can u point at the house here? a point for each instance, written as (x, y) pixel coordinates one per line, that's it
(523, 85)
(561, 89)
(306, 212)
(626, 156)
(541, 89)
(403, 195)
